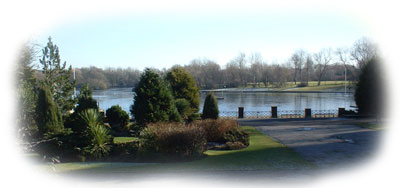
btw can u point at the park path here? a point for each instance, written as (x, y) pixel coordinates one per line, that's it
(328, 143)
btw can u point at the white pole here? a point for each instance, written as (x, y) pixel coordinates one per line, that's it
(345, 79)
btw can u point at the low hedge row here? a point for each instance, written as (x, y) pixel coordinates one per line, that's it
(172, 139)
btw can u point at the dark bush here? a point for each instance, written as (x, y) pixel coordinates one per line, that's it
(124, 151)
(302, 84)
(369, 94)
(58, 147)
(210, 108)
(116, 116)
(173, 139)
(235, 145)
(136, 128)
(194, 116)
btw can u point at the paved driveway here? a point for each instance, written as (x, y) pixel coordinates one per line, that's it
(328, 143)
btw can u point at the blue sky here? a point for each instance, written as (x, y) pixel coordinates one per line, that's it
(164, 39)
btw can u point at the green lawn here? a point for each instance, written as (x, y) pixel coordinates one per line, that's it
(312, 86)
(124, 139)
(317, 88)
(262, 154)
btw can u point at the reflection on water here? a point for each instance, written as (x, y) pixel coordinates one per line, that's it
(250, 101)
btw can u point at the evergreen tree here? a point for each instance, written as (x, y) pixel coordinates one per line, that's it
(369, 91)
(184, 87)
(153, 101)
(57, 77)
(49, 118)
(210, 108)
(85, 102)
(26, 92)
(116, 115)
(85, 99)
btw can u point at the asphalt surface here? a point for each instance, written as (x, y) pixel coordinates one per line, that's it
(327, 143)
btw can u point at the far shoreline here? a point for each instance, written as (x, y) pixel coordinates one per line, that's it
(265, 90)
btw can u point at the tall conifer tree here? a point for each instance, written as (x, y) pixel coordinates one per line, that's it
(49, 118)
(57, 77)
(210, 109)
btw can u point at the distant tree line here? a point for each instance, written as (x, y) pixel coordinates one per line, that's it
(302, 67)
(99, 78)
(249, 70)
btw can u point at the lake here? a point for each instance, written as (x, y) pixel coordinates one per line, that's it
(255, 101)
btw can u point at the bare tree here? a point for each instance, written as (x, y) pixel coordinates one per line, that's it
(362, 51)
(309, 68)
(207, 73)
(256, 68)
(238, 64)
(298, 60)
(279, 75)
(322, 59)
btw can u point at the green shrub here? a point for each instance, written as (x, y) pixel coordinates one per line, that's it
(183, 107)
(237, 135)
(98, 134)
(302, 84)
(172, 139)
(124, 151)
(116, 116)
(85, 99)
(210, 108)
(136, 128)
(193, 117)
(224, 131)
(100, 145)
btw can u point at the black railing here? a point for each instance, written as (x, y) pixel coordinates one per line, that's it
(228, 114)
(280, 114)
(324, 113)
(291, 114)
(257, 114)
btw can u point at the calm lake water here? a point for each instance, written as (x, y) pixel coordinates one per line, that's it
(250, 101)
